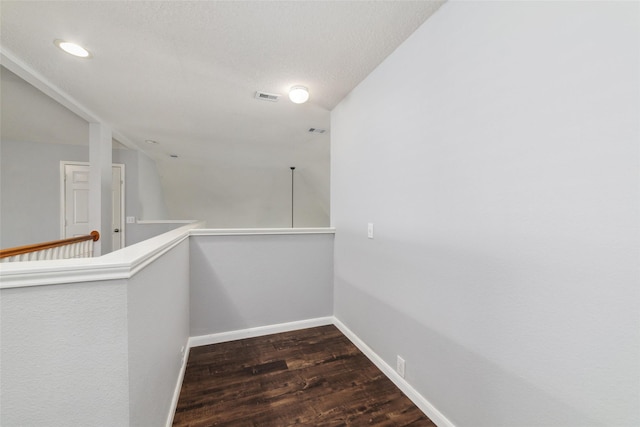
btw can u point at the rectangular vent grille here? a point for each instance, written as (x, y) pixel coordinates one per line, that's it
(267, 96)
(316, 130)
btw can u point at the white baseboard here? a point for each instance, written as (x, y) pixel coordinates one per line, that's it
(430, 411)
(258, 331)
(176, 392)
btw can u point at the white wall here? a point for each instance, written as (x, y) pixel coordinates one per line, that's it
(63, 357)
(158, 313)
(245, 281)
(496, 152)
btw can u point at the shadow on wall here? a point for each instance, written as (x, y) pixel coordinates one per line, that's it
(213, 309)
(445, 369)
(248, 281)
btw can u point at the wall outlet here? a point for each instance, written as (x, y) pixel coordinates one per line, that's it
(400, 366)
(370, 230)
(131, 220)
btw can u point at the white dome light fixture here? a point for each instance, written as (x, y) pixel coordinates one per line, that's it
(299, 94)
(72, 48)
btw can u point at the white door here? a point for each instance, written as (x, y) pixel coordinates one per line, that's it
(76, 202)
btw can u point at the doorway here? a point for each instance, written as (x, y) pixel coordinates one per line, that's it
(74, 202)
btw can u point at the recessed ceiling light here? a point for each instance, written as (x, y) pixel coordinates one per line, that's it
(72, 48)
(299, 94)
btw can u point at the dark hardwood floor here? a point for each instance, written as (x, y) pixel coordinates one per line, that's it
(310, 377)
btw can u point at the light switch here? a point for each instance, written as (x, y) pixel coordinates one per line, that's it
(370, 230)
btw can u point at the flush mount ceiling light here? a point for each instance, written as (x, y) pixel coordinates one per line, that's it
(72, 48)
(299, 94)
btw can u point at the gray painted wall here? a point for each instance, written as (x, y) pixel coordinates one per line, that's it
(108, 353)
(249, 196)
(496, 152)
(152, 203)
(158, 313)
(139, 232)
(63, 357)
(30, 189)
(95, 353)
(240, 282)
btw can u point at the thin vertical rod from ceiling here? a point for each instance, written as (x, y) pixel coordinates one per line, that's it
(292, 170)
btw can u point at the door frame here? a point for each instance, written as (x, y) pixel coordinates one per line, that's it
(63, 163)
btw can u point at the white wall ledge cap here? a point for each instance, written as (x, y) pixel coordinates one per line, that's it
(124, 263)
(166, 221)
(259, 231)
(121, 264)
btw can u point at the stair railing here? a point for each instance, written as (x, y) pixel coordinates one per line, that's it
(73, 247)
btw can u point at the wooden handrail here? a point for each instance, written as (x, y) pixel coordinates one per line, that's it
(19, 250)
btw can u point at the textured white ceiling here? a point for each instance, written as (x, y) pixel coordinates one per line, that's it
(184, 73)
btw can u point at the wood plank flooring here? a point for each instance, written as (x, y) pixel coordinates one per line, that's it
(310, 377)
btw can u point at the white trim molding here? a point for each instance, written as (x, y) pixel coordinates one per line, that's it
(260, 231)
(259, 331)
(420, 401)
(121, 264)
(166, 221)
(176, 391)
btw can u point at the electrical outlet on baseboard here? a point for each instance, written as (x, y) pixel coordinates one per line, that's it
(400, 364)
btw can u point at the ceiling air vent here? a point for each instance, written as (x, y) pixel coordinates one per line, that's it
(267, 96)
(316, 130)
